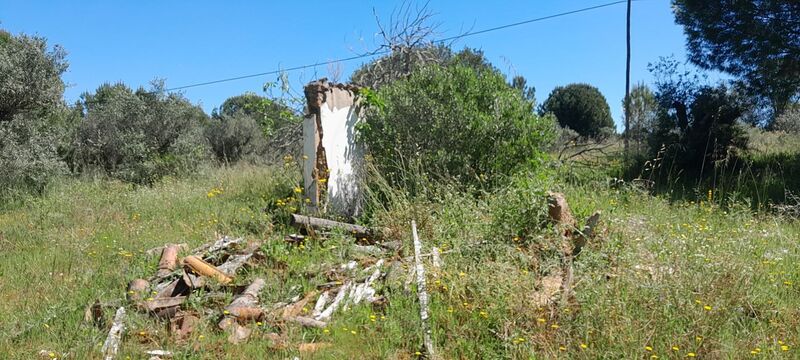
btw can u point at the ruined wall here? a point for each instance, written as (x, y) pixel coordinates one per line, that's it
(333, 165)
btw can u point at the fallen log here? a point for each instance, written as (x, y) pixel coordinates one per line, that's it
(302, 221)
(232, 265)
(111, 345)
(326, 314)
(307, 321)
(245, 306)
(201, 267)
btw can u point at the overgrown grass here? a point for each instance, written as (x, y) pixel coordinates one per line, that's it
(711, 282)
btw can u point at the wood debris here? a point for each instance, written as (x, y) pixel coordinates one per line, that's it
(168, 262)
(111, 345)
(422, 293)
(201, 267)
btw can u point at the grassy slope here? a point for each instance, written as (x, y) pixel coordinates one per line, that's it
(717, 284)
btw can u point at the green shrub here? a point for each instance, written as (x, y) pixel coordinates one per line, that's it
(139, 136)
(580, 107)
(28, 156)
(31, 112)
(789, 121)
(454, 122)
(233, 138)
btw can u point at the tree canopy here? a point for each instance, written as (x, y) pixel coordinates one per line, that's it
(580, 107)
(30, 74)
(757, 41)
(269, 114)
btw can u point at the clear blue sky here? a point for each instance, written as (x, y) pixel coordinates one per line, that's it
(189, 42)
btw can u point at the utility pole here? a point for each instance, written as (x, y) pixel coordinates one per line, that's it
(628, 85)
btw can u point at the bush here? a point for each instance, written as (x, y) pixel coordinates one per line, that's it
(233, 138)
(28, 156)
(139, 136)
(693, 141)
(269, 114)
(455, 123)
(30, 75)
(580, 107)
(789, 121)
(31, 112)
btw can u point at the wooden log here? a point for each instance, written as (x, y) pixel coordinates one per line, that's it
(321, 302)
(307, 321)
(234, 263)
(245, 305)
(326, 314)
(302, 221)
(111, 345)
(201, 267)
(169, 260)
(222, 243)
(422, 293)
(163, 303)
(158, 250)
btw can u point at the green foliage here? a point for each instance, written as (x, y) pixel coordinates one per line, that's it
(235, 137)
(31, 110)
(30, 75)
(644, 112)
(788, 121)
(269, 114)
(29, 157)
(697, 124)
(756, 41)
(139, 136)
(456, 123)
(519, 209)
(401, 63)
(580, 107)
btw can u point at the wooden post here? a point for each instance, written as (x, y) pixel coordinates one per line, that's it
(422, 293)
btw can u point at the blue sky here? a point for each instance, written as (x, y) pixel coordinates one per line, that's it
(189, 42)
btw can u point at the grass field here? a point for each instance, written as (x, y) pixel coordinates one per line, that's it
(665, 280)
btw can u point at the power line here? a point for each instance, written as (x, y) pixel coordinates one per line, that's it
(376, 53)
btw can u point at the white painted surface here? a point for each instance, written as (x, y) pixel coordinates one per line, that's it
(344, 158)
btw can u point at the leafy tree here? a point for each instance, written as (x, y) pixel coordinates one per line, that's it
(269, 114)
(696, 124)
(400, 64)
(30, 75)
(456, 123)
(234, 137)
(757, 41)
(139, 136)
(789, 120)
(520, 83)
(580, 107)
(31, 112)
(644, 112)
